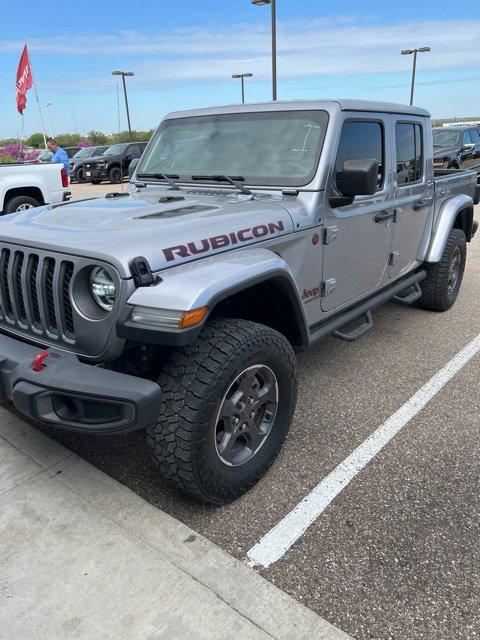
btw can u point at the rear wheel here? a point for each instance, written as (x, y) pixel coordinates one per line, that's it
(21, 203)
(228, 401)
(115, 175)
(444, 279)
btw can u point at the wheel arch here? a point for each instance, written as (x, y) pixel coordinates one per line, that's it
(456, 213)
(30, 192)
(251, 284)
(270, 299)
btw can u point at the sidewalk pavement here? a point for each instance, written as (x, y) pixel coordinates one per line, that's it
(82, 556)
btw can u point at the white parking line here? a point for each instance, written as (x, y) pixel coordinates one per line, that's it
(278, 540)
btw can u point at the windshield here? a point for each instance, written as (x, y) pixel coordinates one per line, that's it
(446, 137)
(115, 149)
(84, 153)
(275, 148)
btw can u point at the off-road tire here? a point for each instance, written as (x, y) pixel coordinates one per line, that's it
(14, 204)
(115, 175)
(435, 288)
(194, 381)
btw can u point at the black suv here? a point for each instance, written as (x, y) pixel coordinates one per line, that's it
(113, 164)
(456, 147)
(77, 172)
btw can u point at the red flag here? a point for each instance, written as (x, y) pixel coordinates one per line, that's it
(24, 80)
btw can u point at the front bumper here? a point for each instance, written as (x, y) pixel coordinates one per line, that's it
(95, 174)
(75, 396)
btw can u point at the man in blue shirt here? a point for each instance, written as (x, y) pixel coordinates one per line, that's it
(59, 155)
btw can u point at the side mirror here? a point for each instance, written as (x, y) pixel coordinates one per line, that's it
(132, 166)
(468, 147)
(358, 178)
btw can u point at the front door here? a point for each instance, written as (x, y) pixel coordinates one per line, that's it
(413, 194)
(357, 236)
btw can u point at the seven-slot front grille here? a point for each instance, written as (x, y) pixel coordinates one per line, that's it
(35, 293)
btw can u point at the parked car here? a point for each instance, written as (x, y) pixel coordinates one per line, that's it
(77, 171)
(113, 164)
(176, 307)
(71, 151)
(456, 148)
(45, 155)
(25, 186)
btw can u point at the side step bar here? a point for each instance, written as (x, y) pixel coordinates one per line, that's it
(411, 297)
(364, 308)
(357, 333)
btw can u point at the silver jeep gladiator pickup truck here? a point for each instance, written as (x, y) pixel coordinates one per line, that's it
(248, 232)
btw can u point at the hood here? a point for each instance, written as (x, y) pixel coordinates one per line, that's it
(101, 158)
(168, 228)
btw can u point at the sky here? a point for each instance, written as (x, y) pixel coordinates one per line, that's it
(183, 54)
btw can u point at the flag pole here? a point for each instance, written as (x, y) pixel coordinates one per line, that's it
(21, 134)
(38, 104)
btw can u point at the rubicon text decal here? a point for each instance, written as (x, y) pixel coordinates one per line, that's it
(222, 241)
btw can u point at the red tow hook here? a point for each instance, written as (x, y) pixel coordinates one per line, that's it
(38, 361)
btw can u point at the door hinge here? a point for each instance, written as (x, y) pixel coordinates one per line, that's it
(394, 257)
(327, 287)
(330, 234)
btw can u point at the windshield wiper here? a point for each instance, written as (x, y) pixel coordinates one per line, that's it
(161, 176)
(234, 181)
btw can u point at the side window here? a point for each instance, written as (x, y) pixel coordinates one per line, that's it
(475, 133)
(360, 140)
(134, 149)
(467, 139)
(409, 143)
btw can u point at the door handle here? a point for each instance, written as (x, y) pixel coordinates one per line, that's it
(421, 204)
(383, 216)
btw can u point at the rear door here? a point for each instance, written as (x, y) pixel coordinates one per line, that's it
(475, 134)
(467, 155)
(357, 236)
(413, 193)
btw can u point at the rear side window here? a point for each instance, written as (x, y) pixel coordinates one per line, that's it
(467, 139)
(409, 144)
(475, 136)
(360, 140)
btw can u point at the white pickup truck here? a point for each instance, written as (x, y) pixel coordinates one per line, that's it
(24, 186)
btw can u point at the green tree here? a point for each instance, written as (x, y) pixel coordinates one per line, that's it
(68, 139)
(137, 136)
(98, 138)
(35, 141)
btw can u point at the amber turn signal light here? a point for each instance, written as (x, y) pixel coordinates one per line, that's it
(191, 318)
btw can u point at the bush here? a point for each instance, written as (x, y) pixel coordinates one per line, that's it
(35, 141)
(16, 153)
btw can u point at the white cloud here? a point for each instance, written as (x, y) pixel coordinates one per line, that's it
(337, 47)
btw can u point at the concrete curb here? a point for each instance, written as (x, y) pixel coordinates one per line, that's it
(271, 611)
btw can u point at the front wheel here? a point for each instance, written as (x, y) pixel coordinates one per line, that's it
(80, 175)
(228, 401)
(115, 175)
(444, 279)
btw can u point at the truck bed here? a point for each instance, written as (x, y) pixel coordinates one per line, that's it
(452, 182)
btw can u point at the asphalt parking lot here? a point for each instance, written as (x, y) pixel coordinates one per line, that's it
(396, 555)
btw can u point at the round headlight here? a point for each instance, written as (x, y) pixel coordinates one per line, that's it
(103, 288)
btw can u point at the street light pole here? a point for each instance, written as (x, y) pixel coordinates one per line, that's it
(274, 41)
(49, 104)
(123, 74)
(242, 77)
(407, 52)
